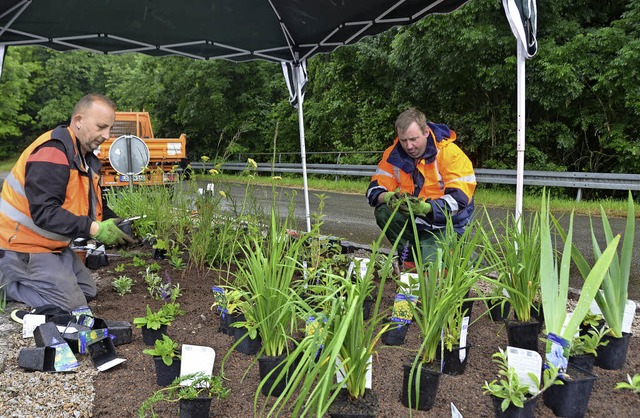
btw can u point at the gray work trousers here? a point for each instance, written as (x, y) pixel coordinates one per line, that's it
(38, 279)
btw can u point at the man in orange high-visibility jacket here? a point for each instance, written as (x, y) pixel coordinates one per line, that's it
(426, 165)
(51, 197)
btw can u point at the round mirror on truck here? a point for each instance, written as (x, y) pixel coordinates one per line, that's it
(129, 156)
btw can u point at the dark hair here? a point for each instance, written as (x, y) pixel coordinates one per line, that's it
(86, 102)
(406, 118)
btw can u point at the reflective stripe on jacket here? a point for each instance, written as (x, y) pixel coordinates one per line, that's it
(444, 175)
(18, 232)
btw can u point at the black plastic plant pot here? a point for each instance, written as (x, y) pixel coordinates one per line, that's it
(267, 364)
(366, 307)
(572, 397)
(159, 254)
(149, 336)
(523, 334)
(584, 361)
(345, 407)
(613, 355)
(195, 408)
(527, 411)
(232, 319)
(499, 313)
(395, 334)
(247, 345)
(537, 314)
(166, 374)
(451, 364)
(424, 396)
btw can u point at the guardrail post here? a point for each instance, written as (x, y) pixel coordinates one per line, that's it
(338, 163)
(579, 195)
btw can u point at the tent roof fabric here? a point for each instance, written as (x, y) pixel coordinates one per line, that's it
(237, 30)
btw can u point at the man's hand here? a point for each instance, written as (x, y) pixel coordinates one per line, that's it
(392, 198)
(418, 206)
(110, 234)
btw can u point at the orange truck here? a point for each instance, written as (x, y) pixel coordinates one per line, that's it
(167, 156)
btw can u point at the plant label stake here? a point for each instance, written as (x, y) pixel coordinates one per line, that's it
(340, 373)
(525, 362)
(629, 313)
(30, 322)
(196, 359)
(557, 352)
(463, 338)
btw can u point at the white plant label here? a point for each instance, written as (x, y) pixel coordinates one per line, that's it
(30, 322)
(594, 308)
(629, 313)
(454, 412)
(340, 373)
(195, 359)
(362, 263)
(463, 338)
(525, 362)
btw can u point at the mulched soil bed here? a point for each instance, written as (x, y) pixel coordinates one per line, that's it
(120, 391)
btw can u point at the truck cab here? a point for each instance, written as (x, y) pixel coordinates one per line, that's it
(166, 155)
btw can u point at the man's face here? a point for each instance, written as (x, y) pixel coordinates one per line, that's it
(413, 141)
(93, 126)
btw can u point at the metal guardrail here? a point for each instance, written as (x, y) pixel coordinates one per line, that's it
(576, 180)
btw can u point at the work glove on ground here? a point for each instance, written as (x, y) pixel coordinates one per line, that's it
(418, 206)
(392, 198)
(110, 234)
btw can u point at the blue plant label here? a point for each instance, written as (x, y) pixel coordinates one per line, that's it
(219, 297)
(83, 310)
(86, 338)
(557, 352)
(64, 359)
(402, 309)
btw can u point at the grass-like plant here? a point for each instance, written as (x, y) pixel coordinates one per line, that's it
(267, 271)
(344, 335)
(613, 297)
(554, 278)
(514, 250)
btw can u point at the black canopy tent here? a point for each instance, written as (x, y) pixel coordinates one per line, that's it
(286, 31)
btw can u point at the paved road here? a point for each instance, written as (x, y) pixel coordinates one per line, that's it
(349, 216)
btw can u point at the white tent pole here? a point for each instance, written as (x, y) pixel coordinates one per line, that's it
(297, 75)
(1, 59)
(521, 133)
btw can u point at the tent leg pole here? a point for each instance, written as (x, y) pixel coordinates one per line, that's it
(520, 146)
(297, 74)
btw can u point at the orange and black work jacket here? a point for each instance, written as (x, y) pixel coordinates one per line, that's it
(444, 175)
(51, 195)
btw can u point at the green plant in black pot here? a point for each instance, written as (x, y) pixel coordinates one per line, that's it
(152, 320)
(167, 349)
(509, 390)
(196, 386)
